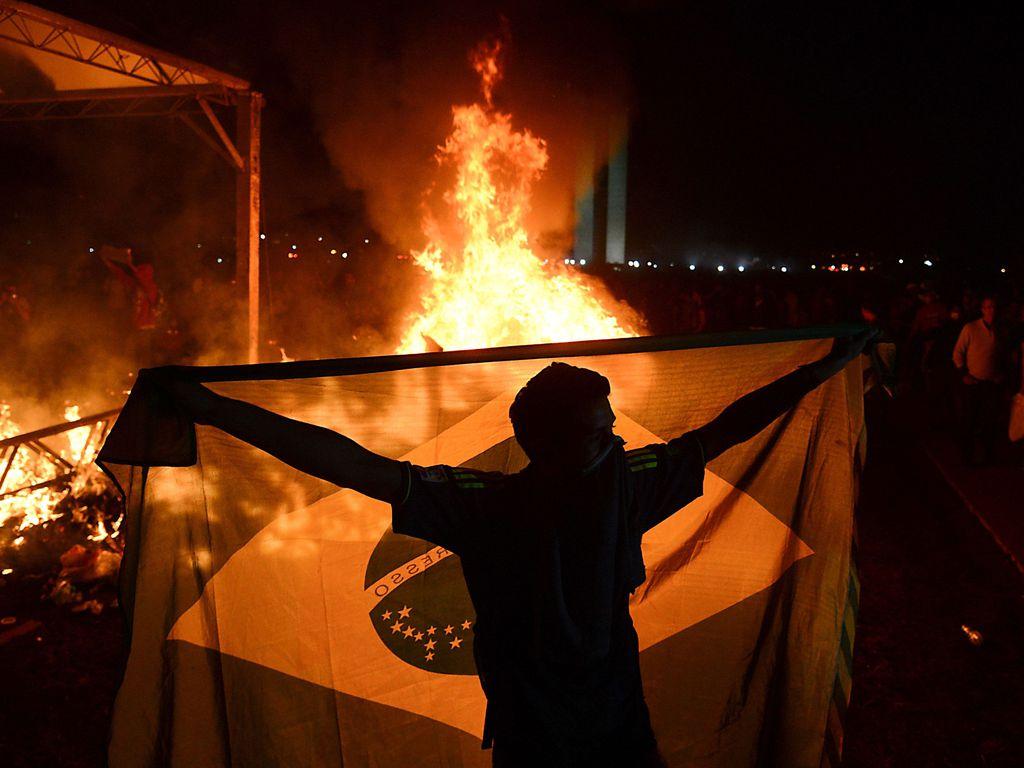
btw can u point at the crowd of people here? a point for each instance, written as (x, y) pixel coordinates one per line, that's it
(965, 353)
(960, 349)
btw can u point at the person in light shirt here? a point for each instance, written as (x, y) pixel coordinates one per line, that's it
(977, 359)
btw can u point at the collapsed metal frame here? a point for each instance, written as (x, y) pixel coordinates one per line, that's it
(99, 425)
(169, 86)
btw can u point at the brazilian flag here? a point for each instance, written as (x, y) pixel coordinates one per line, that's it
(276, 619)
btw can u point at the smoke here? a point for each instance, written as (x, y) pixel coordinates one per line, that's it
(377, 84)
(19, 77)
(382, 95)
(66, 331)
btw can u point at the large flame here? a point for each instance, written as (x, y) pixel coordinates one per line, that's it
(488, 288)
(40, 502)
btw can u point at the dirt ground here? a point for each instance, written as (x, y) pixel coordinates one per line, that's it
(923, 695)
(59, 681)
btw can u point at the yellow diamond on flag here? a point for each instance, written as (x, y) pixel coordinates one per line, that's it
(293, 599)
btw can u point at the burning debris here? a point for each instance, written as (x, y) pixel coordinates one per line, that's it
(488, 288)
(57, 508)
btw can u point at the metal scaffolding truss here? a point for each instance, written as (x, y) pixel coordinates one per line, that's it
(115, 102)
(27, 25)
(150, 83)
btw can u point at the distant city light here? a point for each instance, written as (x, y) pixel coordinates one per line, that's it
(693, 267)
(648, 263)
(1003, 270)
(863, 268)
(366, 240)
(928, 262)
(91, 249)
(334, 251)
(320, 239)
(740, 267)
(814, 266)
(220, 260)
(199, 245)
(901, 261)
(583, 262)
(721, 268)
(783, 269)
(294, 247)
(263, 236)
(572, 261)
(344, 254)
(655, 265)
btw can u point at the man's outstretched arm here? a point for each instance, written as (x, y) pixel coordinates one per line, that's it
(311, 449)
(753, 412)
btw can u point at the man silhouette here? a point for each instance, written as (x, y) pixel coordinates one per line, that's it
(550, 554)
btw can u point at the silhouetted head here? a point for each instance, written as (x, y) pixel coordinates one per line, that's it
(563, 420)
(988, 309)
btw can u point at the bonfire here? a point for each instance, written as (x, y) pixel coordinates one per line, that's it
(487, 286)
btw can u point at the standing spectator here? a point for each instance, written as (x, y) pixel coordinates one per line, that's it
(690, 317)
(976, 357)
(762, 309)
(15, 315)
(147, 304)
(969, 303)
(795, 315)
(823, 307)
(14, 306)
(931, 315)
(1017, 406)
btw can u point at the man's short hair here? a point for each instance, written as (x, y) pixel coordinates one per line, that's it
(548, 395)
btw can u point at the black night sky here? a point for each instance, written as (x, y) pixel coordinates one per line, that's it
(756, 128)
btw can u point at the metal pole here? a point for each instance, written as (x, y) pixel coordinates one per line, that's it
(247, 214)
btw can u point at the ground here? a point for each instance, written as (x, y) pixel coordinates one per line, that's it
(59, 681)
(923, 695)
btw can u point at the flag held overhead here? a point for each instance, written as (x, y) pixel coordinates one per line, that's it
(277, 618)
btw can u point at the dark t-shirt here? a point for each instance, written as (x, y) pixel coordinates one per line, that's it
(550, 566)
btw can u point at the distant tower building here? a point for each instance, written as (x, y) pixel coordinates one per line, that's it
(600, 233)
(618, 163)
(583, 235)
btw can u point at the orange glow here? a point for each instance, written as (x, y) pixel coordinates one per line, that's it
(488, 288)
(30, 508)
(485, 59)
